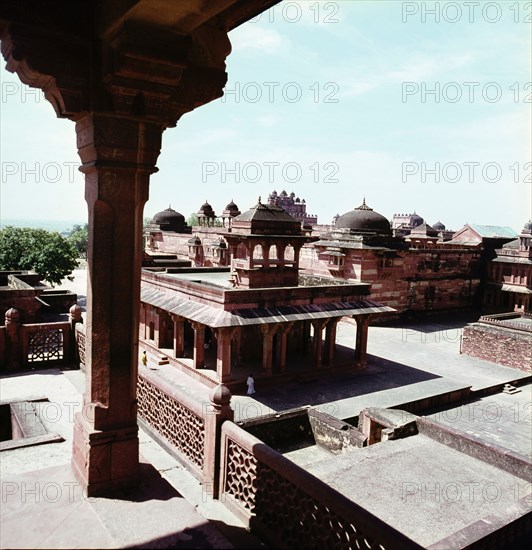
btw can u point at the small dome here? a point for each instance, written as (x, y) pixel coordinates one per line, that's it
(206, 209)
(527, 229)
(364, 220)
(292, 195)
(195, 241)
(438, 226)
(283, 193)
(232, 207)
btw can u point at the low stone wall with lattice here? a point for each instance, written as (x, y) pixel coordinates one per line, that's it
(289, 507)
(38, 345)
(48, 343)
(187, 427)
(79, 337)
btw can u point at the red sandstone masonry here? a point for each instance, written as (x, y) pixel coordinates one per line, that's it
(278, 498)
(504, 346)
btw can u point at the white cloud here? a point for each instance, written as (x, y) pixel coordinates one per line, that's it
(267, 121)
(253, 37)
(416, 69)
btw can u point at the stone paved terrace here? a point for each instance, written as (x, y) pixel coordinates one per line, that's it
(43, 506)
(423, 488)
(406, 364)
(500, 419)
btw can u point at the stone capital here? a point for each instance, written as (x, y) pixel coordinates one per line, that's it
(141, 71)
(198, 327)
(269, 329)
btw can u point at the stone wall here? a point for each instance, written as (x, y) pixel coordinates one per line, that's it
(282, 431)
(22, 300)
(60, 301)
(418, 280)
(502, 345)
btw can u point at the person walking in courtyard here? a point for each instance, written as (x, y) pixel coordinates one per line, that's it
(251, 385)
(144, 358)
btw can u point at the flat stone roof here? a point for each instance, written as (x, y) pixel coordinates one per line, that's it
(501, 419)
(220, 279)
(422, 488)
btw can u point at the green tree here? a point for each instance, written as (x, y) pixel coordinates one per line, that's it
(47, 253)
(193, 220)
(79, 238)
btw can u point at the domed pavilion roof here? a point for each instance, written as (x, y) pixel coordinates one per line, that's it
(170, 220)
(527, 229)
(266, 219)
(231, 210)
(364, 220)
(416, 219)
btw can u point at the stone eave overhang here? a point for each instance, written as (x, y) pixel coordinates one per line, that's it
(217, 317)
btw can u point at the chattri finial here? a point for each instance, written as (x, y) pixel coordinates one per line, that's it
(259, 199)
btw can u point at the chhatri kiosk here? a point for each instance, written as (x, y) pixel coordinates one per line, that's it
(258, 315)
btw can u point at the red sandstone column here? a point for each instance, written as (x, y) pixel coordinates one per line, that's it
(281, 345)
(318, 340)
(224, 337)
(199, 344)
(118, 155)
(179, 336)
(268, 332)
(330, 341)
(159, 328)
(361, 340)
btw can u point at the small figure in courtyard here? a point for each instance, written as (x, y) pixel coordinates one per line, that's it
(251, 385)
(144, 358)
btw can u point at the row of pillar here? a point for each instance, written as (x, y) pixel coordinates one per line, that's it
(323, 349)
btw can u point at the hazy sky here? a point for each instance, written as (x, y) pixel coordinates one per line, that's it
(412, 109)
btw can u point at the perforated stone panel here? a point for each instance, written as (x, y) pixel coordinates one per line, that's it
(297, 519)
(179, 425)
(45, 345)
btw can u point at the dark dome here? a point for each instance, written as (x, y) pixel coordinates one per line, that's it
(170, 220)
(232, 207)
(416, 219)
(364, 220)
(528, 227)
(438, 226)
(168, 216)
(206, 208)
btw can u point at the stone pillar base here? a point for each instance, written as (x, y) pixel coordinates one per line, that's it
(105, 461)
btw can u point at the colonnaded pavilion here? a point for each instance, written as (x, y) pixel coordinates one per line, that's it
(259, 315)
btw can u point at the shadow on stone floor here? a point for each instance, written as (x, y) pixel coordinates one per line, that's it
(328, 386)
